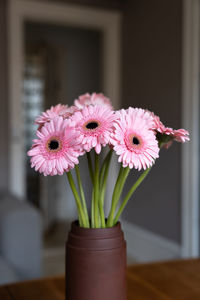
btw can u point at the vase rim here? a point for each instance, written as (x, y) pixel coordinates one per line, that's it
(95, 238)
(76, 225)
(96, 232)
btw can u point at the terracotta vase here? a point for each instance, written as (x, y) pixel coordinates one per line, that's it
(95, 264)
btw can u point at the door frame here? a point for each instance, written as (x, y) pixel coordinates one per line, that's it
(19, 11)
(190, 120)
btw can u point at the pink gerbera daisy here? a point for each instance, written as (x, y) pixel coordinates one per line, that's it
(93, 99)
(68, 111)
(159, 126)
(56, 150)
(50, 114)
(94, 125)
(166, 135)
(181, 135)
(133, 139)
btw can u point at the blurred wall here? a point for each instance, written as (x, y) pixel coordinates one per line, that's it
(4, 135)
(152, 79)
(108, 4)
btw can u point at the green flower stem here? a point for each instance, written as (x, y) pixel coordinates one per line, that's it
(102, 216)
(82, 194)
(102, 170)
(130, 193)
(117, 184)
(78, 201)
(92, 210)
(121, 186)
(90, 166)
(105, 177)
(103, 183)
(80, 221)
(123, 173)
(104, 165)
(96, 191)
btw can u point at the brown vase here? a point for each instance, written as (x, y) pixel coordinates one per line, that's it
(95, 264)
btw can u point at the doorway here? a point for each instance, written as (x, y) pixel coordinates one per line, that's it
(61, 63)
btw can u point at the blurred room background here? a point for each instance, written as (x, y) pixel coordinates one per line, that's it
(139, 53)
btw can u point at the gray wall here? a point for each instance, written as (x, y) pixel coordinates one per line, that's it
(152, 79)
(3, 100)
(108, 4)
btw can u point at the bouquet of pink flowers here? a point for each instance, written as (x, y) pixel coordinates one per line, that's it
(65, 133)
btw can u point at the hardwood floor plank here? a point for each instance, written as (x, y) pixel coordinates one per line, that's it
(138, 289)
(52, 289)
(176, 280)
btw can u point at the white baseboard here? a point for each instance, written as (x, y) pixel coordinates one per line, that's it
(144, 246)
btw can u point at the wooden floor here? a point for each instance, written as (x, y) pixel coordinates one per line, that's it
(178, 280)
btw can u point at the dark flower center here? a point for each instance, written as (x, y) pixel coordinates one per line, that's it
(92, 125)
(135, 141)
(54, 145)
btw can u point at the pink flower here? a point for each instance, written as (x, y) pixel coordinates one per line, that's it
(159, 126)
(94, 126)
(181, 135)
(56, 150)
(166, 135)
(50, 114)
(133, 139)
(68, 111)
(93, 99)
